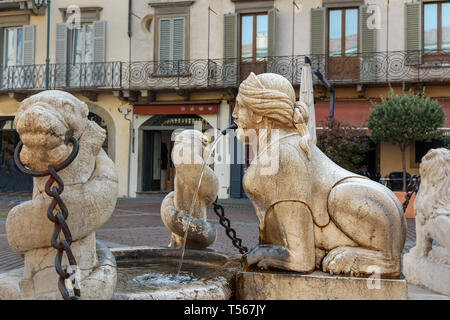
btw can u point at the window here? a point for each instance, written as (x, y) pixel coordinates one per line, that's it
(13, 47)
(254, 37)
(171, 45)
(83, 44)
(343, 32)
(436, 27)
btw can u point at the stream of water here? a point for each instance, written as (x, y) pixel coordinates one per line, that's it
(194, 198)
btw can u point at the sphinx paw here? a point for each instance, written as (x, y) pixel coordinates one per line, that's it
(341, 260)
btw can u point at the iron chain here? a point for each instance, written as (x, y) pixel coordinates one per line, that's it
(59, 219)
(412, 188)
(230, 232)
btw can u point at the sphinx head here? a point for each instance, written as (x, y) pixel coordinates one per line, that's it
(42, 121)
(189, 147)
(267, 101)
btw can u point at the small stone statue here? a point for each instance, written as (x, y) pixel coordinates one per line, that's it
(428, 263)
(311, 212)
(90, 194)
(188, 156)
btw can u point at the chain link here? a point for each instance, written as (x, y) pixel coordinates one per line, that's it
(412, 188)
(59, 219)
(230, 232)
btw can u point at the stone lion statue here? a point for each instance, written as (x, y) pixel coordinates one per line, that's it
(90, 193)
(432, 207)
(311, 212)
(188, 156)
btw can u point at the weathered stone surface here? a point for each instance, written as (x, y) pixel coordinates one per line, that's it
(316, 286)
(428, 263)
(188, 156)
(90, 190)
(99, 284)
(311, 212)
(425, 272)
(220, 287)
(9, 284)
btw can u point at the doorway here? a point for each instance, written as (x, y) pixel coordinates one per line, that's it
(11, 179)
(157, 171)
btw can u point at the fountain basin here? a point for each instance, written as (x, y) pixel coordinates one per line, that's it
(150, 273)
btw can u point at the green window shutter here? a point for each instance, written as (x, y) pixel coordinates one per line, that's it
(178, 39)
(230, 37)
(368, 46)
(28, 44)
(165, 39)
(318, 38)
(368, 36)
(230, 48)
(272, 32)
(318, 31)
(413, 32)
(2, 52)
(61, 43)
(99, 41)
(60, 72)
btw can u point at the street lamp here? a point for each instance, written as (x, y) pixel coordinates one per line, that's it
(39, 4)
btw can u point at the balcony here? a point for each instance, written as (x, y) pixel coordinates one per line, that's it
(378, 68)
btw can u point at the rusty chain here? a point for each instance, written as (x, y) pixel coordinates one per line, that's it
(412, 188)
(230, 232)
(59, 219)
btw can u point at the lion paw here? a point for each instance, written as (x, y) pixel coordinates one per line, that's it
(342, 260)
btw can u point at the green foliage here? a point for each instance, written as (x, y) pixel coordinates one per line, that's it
(401, 119)
(446, 141)
(344, 144)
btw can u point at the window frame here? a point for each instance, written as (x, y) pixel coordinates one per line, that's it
(5, 46)
(186, 34)
(254, 56)
(439, 27)
(71, 56)
(343, 47)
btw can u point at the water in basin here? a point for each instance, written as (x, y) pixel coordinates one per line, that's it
(150, 275)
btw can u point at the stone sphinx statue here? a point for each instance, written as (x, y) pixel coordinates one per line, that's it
(428, 263)
(90, 194)
(188, 156)
(312, 214)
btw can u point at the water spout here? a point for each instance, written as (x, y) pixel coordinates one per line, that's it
(194, 198)
(234, 126)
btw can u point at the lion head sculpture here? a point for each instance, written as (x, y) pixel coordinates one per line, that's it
(42, 122)
(434, 186)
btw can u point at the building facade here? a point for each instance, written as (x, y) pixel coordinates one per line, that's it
(147, 68)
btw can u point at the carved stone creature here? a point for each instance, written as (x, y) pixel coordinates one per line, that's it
(188, 156)
(311, 212)
(90, 194)
(428, 263)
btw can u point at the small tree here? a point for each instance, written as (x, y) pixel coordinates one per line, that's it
(402, 119)
(344, 144)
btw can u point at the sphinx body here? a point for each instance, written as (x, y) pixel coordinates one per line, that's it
(187, 155)
(312, 213)
(90, 194)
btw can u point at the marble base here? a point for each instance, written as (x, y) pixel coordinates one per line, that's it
(431, 274)
(316, 286)
(99, 285)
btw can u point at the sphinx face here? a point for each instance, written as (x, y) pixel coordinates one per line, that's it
(245, 120)
(42, 130)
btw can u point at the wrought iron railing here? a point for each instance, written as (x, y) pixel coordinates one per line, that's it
(378, 67)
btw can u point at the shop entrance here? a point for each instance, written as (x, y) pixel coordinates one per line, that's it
(156, 168)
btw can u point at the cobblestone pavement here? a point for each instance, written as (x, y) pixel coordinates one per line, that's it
(138, 222)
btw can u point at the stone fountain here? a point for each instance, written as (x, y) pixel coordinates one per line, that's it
(325, 233)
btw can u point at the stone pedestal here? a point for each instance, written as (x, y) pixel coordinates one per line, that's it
(434, 275)
(316, 286)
